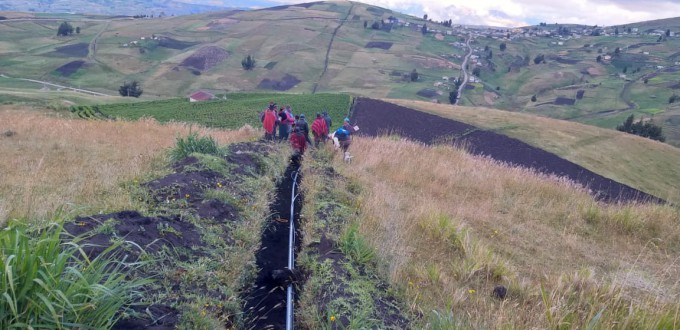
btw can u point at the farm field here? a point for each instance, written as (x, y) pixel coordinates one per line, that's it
(237, 110)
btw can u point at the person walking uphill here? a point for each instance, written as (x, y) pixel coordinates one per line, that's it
(319, 130)
(344, 134)
(284, 125)
(302, 124)
(269, 124)
(298, 141)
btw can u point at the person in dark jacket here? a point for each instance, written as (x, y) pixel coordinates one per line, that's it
(329, 121)
(302, 124)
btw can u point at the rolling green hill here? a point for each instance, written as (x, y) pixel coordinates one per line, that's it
(331, 47)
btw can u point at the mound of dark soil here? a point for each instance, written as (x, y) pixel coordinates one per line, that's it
(428, 93)
(175, 198)
(287, 82)
(75, 50)
(379, 44)
(560, 59)
(206, 58)
(70, 68)
(560, 100)
(174, 43)
(378, 117)
(579, 94)
(676, 86)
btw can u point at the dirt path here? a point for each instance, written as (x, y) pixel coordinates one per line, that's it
(58, 86)
(92, 53)
(377, 117)
(466, 77)
(328, 50)
(266, 300)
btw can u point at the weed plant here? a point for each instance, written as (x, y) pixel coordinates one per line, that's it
(50, 284)
(193, 144)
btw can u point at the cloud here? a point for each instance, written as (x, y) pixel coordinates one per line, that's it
(512, 13)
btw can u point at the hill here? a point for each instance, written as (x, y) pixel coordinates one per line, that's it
(332, 47)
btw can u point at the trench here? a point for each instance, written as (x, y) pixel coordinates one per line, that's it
(265, 300)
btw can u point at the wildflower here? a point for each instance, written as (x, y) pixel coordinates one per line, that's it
(332, 318)
(187, 196)
(206, 305)
(410, 283)
(471, 291)
(203, 313)
(219, 185)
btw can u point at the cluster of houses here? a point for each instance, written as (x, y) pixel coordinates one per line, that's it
(134, 43)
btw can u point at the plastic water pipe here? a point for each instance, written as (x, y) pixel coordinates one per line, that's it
(291, 255)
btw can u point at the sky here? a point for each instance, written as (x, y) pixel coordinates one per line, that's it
(515, 13)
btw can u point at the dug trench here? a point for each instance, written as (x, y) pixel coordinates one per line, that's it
(266, 300)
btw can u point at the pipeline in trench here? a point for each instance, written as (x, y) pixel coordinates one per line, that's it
(266, 306)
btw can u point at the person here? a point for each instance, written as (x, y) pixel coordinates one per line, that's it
(319, 129)
(302, 124)
(269, 124)
(298, 141)
(284, 126)
(344, 134)
(329, 122)
(343, 137)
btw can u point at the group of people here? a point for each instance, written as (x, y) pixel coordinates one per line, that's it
(296, 129)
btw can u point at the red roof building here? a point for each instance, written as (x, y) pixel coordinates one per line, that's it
(200, 96)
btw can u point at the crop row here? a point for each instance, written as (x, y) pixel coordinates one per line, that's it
(88, 112)
(233, 112)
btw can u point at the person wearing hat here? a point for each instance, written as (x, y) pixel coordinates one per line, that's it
(329, 121)
(302, 124)
(269, 124)
(319, 129)
(344, 134)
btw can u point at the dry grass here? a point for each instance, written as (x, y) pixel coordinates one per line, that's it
(650, 166)
(451, 226)
(52, 162)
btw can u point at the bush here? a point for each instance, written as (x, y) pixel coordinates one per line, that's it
(130, 89)
(50, 284)
(645, 129)
(194, 143)
(248, 63)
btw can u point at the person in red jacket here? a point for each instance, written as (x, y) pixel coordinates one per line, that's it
(269, 123)
(319, 129)
(298, 141)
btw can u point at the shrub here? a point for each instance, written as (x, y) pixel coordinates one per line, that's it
(194, 143)
(130, 89)
(642, 128)
(248, 63)
(50, 284)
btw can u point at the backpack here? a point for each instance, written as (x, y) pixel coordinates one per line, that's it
(342, 134)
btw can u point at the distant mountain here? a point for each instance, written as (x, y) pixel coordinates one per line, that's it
(127, 7)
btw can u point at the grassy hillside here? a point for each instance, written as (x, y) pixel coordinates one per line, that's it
(324, 47)
(638, 162)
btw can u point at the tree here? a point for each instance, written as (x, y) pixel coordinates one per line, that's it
(65, 29)
(668, 32)
(130, 89)
(533, 98)
(425, 17)
(424, 29)
(642, 128)
(476, 71)
(599, 58)
(616, 31)
(503, 47)
(489, 55)
(646, 80)
(617, 51)
(375, 25)
(248, 63)
(77, 29)
(625, 69)
(365, 24)
(539, 59)
(414, 75)
(453, 96)
(673, 98)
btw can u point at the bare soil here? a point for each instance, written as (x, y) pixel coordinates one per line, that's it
(174, 43)
(378, 117)
(564, 101)
(206, 58)
(287, 82)
(75, 50)
(70, 68)
(173, 197)
(379, 44)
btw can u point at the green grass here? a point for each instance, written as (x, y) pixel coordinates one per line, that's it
(50, 284)
(239, 109)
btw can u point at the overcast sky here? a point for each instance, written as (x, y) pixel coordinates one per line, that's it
(513, 13)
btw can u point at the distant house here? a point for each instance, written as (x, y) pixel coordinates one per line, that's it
(200, 96)
(439, 36)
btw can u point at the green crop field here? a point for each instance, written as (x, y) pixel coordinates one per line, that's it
(234, 112)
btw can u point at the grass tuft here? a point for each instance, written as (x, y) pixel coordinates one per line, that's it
(194, 144)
